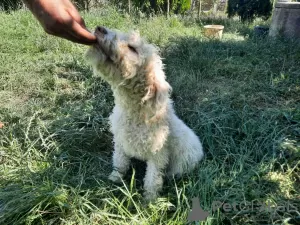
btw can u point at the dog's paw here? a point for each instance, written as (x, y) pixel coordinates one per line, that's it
(115, 177)
(149, 197)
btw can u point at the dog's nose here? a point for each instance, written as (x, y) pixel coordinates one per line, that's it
(101, 30)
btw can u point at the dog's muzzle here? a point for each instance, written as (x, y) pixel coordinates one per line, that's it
(101, 31)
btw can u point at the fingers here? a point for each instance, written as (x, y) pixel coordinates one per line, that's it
(71, 30)
(66, 31)
(61, 18)
(78, 29)
(71, 36)
(75, 15)
(67, 36)
(81, 34)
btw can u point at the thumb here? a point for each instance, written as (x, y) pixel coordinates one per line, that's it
(83, 35)
(78, 28)
(76, 16)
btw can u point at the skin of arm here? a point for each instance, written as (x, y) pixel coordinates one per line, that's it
(61, 18)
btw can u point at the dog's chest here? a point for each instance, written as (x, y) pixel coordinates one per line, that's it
(138, 139)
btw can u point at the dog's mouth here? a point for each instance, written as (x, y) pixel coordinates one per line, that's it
(100, 33)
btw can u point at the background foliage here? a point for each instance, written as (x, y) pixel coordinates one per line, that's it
(248, 10)
(9, 5)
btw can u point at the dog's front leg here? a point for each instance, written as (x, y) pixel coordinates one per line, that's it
(153, 181)
(121, 164)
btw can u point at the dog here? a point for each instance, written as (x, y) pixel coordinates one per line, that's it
(143, 121)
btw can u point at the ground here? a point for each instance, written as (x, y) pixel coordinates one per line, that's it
(241, 95)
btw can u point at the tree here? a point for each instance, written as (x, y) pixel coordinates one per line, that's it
(8, 5)
(248, 10)
(199, 8)
(167, 6)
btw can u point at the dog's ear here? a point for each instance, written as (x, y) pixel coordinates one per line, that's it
(134, 36)
(158, 90)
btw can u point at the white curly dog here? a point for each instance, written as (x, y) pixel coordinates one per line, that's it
(143, 121)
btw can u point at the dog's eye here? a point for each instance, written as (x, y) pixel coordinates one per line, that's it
(132, 49)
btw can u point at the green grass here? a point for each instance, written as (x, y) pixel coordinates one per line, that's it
(241, 95)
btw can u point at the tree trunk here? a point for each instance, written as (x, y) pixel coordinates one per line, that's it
(226, 5)
(168, 8)
(215, 10)
(192, 5)
(129, 6)
(199, 8)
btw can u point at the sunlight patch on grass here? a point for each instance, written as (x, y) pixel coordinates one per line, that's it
(286, 184)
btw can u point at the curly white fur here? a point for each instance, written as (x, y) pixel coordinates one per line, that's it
(143, 120)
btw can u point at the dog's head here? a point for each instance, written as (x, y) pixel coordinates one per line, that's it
(125, 59)
(119, 55)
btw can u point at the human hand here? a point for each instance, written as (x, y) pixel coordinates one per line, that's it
(61, 18)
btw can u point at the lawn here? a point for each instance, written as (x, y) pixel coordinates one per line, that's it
(241, 95)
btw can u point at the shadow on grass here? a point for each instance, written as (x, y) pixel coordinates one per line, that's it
(237, 107)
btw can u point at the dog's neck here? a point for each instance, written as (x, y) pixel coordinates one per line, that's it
(130, 100)
(143, 96)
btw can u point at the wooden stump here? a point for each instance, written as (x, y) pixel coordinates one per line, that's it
(286, 20)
